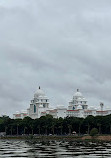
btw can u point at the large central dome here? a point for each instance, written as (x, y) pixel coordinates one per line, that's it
(39, 93)
(78, 94)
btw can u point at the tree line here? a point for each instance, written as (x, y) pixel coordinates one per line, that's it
(46, 125)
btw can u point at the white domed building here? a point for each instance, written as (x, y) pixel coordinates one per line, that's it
(39, 103)
(77, 101)
(78, 107)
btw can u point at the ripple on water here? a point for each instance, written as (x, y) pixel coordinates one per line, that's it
(53, 149)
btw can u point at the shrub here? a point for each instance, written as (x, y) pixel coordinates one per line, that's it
(93, 132)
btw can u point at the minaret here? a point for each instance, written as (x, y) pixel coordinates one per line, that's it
(101, 105)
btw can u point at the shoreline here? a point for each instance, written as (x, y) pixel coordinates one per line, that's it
(106, 138)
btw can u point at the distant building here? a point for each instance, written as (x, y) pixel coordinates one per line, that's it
(77, 107)
(20, 115)
(60, 111)
(78, 101)
(39, 103)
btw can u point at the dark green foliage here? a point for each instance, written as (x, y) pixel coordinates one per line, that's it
(46, 125)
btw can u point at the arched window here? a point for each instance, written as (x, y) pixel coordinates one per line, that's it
(34, 108)
(73, 108)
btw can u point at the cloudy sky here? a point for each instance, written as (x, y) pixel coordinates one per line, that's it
(60, 45)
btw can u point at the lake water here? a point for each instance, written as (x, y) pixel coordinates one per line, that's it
(53, 149)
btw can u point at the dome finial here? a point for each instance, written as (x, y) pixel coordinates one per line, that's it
(39, 87)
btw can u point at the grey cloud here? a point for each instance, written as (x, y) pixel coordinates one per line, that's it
(58, 45)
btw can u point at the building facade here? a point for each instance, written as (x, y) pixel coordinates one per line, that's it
(39, 103)
(78, 101)
(78, 107)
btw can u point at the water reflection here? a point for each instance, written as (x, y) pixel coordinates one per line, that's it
(54, 149)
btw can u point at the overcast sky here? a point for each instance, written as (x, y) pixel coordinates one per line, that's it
(60, 45)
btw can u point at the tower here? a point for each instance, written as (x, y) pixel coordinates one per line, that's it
(101, 105)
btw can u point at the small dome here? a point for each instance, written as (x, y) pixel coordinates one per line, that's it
(39, 93)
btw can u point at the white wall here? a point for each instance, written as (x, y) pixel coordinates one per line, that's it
(61, 113)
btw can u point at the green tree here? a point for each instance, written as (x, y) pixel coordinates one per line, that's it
(89, 122)
(69, 127)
